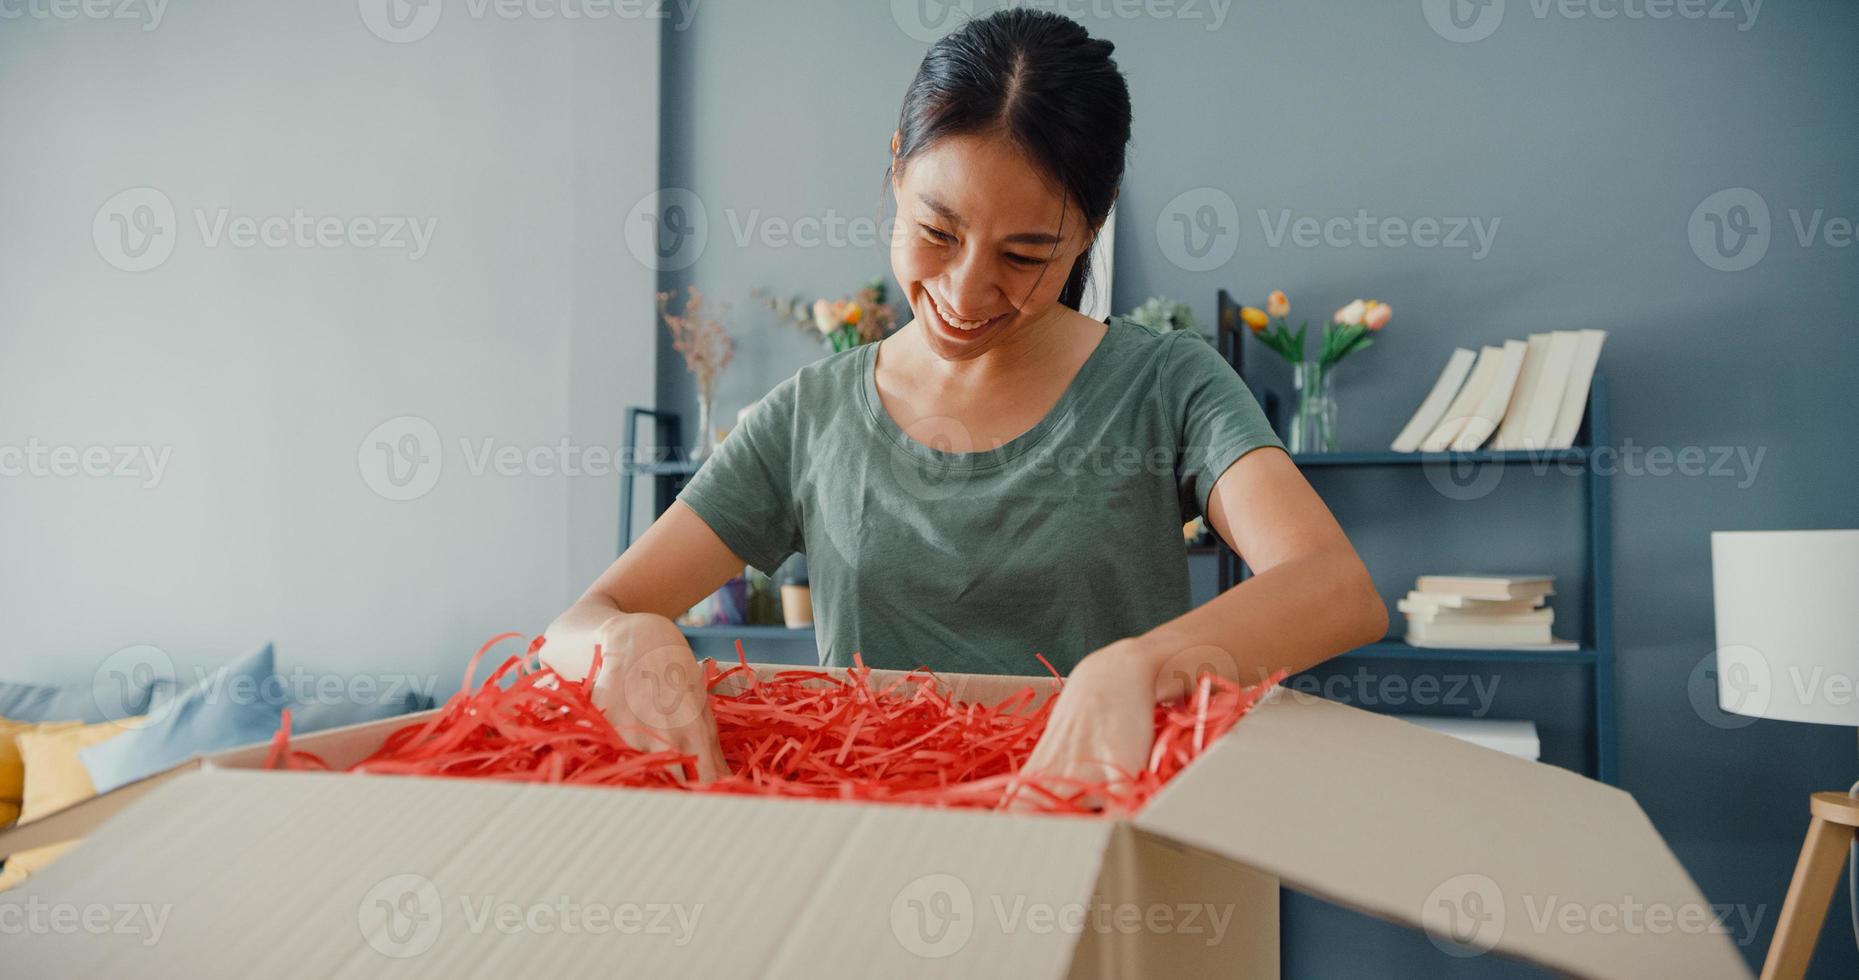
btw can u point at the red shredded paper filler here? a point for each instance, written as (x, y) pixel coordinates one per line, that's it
(804, 734)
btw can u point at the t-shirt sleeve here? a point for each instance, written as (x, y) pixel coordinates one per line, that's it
(1217, 419)
(745, 492)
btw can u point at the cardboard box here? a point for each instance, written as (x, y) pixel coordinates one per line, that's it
(320, 874)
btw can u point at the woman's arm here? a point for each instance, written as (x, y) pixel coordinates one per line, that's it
(1309, 600)
(649, 685)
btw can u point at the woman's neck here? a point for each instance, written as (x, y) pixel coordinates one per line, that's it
(1026, 349)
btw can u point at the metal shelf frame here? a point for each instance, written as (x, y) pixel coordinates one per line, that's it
(1596, 652)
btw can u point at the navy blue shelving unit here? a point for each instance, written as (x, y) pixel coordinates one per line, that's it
(1595, 651)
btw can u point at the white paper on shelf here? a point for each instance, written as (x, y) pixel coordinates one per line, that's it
(1465, 403)
(1490, 411)
(1540, 416)
(1553, 646)
(1575, 395)
(1525, 394)
(1433, 408)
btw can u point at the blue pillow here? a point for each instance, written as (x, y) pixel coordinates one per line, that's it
(236, 705)
(111, 696)
(314, 716)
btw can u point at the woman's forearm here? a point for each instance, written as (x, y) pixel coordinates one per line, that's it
(568, 645)
(1292, 616)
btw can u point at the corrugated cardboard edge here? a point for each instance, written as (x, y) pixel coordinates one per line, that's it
(832, 891)
(342, 747)
(79, 819)
(1222, 918)
(1423, 829)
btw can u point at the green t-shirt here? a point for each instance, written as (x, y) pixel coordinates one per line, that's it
(1059, 541)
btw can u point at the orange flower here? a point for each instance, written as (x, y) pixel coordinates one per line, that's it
(1376, 315)
(1278, 304)
(853, 314)
(1254, 318)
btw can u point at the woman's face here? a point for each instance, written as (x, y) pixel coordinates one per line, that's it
(983, 244)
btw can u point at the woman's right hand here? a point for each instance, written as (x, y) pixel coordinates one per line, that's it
(649, 686)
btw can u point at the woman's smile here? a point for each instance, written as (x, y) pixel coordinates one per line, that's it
(957, 327)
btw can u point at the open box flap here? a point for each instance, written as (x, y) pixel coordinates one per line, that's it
(1473, 846)
(318, 874)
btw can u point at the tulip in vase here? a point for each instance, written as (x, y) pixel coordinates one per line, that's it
(1313, 421)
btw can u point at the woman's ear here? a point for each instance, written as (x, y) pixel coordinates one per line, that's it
(1113, 206)
(1099, 228)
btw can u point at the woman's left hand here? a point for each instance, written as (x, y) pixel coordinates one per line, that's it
(1101, 728)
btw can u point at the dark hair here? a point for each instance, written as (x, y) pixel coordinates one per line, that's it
(1040, 80)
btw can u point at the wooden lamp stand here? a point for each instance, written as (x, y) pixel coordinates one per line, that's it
(1823, 856)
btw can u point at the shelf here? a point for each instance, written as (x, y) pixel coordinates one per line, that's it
(1526, 457)
(1394, 648)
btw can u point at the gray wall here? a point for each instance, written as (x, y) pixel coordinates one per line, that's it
(260, 371)
(1587, 144)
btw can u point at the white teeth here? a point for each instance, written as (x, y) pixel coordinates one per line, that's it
(960, 324)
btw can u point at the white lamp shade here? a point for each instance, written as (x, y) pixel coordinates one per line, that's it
(1788, 624)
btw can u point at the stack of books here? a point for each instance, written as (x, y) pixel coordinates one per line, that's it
(1481, 612)
(1525, 394)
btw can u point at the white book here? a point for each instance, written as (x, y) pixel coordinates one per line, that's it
(1511, 429)
(1478, 634)
(1554, 645)
(1540, 416)
(1433, 408)
(1448, 600)
(1487, 586)
(1543, 616)
(1484, 420)
(1465, 403)
(1575, 395)
(1511, 737)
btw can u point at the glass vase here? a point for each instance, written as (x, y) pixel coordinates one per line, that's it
(1313, 419)
(706, 433)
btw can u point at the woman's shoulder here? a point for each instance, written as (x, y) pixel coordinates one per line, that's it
(818, 387)
(1142, 344)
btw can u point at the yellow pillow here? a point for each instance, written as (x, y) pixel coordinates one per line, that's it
(12, 771)
(55, 779)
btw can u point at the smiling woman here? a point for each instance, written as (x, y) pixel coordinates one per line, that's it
(937, 480)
